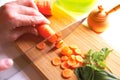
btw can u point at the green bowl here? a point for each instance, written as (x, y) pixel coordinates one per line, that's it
(77, 5)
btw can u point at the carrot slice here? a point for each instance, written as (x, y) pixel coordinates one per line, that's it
(60, 44)
(64, 58)
(79, 58)
(71, 62)
(53, 39)
(76, 65)
(66, 51)
(77, 51)
(73, 47)
(72, 57)
(64, 65)
(41, 45)
(56, 61)
(59, 34)
(67, 73)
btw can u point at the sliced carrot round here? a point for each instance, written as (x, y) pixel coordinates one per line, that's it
(64, 58)
(67, 73)
(41, 45)
(72, 57)
(71, 62)
(53, 39)
(66, 51)
(73, 46)
(60, 44)
(64, 65)
(76, 65)
(79, 58)
(59, 34)
(56, 61)
(77, 51)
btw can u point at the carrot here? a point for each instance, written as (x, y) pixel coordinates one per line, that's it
(77, 51)
(79, 58)
(59, 34)
(73, 47)
(67, 73)
(59, 44)
(71, 62)
(41, 45)
(66, 51)
(45, 30)
(72, 57)
(76, 65)
(64, 65)
(56, 61)
(44, 6)
(56, 38)
(64, 58)
(53, 39)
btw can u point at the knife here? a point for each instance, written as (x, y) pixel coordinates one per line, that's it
(25, 60)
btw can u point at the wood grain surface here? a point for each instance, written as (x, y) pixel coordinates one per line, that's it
(83, 37)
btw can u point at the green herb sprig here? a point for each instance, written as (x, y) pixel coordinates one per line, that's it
(96, 59)
(95, 66)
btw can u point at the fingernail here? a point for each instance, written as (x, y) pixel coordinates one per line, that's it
(8, 62)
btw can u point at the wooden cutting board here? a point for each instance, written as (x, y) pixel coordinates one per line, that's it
(83, 37)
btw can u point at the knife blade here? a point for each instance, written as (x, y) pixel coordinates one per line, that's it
(22, 57)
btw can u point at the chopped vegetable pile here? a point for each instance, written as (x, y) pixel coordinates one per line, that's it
(69, 59)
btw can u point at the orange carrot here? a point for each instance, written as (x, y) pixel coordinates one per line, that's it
(53, 39)
(56, 61)
(79, 58)
(76, 65)
(71, 62)
(59, 44)
(67, 73)
(77, 51)
(45, 30)
(73, 47)
(44, 6)
(72, 57)
(41, 45)
(64, 65)
(64, 58)
(59, 34)
(66, 51)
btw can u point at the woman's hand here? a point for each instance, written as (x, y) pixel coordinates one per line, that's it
(17, 18)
